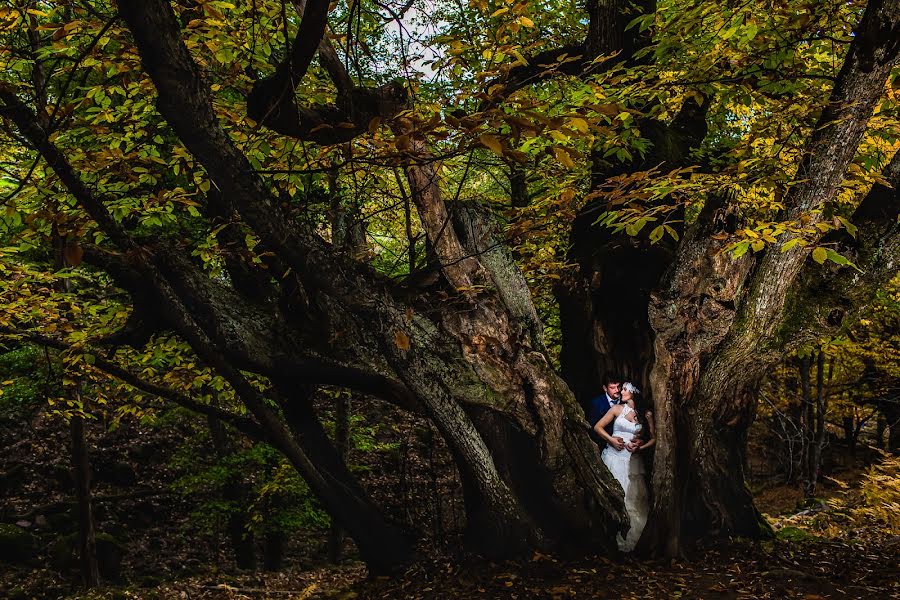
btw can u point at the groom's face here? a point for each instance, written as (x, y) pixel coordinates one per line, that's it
(613, 389)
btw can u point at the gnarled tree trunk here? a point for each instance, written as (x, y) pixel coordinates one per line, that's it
(718, 323)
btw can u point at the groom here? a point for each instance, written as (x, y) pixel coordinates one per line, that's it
(612, 393)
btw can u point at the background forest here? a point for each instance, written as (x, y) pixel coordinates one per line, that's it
(294, 295)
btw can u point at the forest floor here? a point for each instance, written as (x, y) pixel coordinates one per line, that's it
(165, 558)
(776, 569)
(861, 562)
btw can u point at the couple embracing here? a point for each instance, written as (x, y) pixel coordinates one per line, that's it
(623, 423)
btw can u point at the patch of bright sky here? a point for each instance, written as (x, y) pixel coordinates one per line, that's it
(408, 41)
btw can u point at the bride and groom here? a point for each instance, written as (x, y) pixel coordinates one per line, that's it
(623, 423)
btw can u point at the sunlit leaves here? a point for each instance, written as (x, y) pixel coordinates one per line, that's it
(760, 71)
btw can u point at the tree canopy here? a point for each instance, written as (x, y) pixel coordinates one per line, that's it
(447, 205)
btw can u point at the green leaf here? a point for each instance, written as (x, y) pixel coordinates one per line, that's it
(841, 260)
(740, 249)
(850, 227)
(790, 244)
(729, 32)
(836, 258)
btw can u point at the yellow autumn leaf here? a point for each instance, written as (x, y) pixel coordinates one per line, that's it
(526, 22)
(401, 340)
(563, 157)
(492, 143)
(579, 124)
(520, 59)
(819, 255)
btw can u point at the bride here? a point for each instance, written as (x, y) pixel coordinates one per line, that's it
(632, 433)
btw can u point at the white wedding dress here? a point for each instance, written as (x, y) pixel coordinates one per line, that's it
(628, 469)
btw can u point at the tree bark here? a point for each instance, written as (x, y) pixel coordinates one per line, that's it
(87, 542)
(342, 443)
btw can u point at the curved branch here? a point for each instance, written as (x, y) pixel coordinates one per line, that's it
(272, 101)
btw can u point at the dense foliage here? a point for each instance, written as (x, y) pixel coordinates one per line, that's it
(196, 212)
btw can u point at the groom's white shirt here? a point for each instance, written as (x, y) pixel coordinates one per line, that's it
(609, 400)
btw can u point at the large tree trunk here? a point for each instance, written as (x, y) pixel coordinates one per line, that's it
(719, 322)
(698, 480)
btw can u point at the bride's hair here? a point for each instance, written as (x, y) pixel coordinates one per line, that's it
(641, 407)
(630, 387)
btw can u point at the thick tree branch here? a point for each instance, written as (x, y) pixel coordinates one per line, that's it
(184, 100)
(331, 62)
(820, 304)
(252, 282)
(273, 103)
(461, 269)
(244, 333)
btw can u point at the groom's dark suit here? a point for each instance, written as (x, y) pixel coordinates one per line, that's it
(599, 407)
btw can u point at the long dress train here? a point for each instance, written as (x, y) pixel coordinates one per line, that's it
(628, 469)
